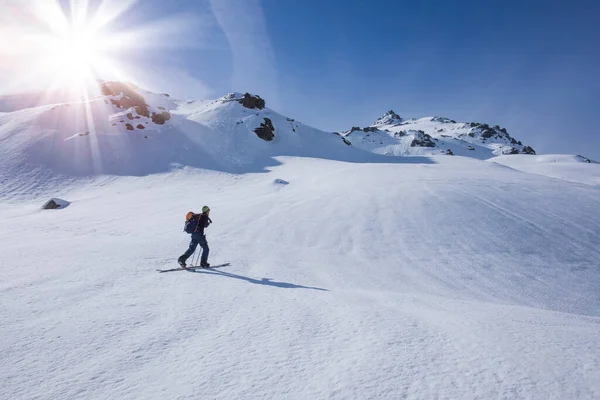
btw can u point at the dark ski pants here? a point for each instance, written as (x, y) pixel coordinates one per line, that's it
(197, 239)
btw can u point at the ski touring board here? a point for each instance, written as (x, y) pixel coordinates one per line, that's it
(193, 268)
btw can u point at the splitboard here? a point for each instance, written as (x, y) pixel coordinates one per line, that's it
(192, 268)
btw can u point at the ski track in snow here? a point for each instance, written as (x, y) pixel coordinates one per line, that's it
(456, 280)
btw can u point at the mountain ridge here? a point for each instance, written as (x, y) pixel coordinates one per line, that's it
(392, 135)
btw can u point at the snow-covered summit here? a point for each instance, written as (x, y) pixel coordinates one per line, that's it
(390, 118)
(391, 135)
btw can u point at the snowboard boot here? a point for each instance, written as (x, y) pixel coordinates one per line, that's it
(181, 262)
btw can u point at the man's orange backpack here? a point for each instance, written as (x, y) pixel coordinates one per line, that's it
(191, 222)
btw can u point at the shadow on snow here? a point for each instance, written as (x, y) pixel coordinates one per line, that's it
(263, 281)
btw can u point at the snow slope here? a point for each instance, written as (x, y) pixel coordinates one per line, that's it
(561, 166)
(457, 279)
(394, 136)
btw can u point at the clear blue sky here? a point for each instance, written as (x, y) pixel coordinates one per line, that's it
(530, 66)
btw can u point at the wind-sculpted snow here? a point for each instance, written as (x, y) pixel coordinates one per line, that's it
(458, 279)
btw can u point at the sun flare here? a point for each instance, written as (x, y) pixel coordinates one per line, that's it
(69, 46)
(76, 56)
(56, 47)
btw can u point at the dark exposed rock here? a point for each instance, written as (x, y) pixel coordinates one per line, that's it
(161, 118)
(528, 150)
(142, 110)
(400, 134)
(449, 152)
(442, 120)
(346, 141)
(55, 203)
(583, 159)
(265, 130)
(140, 126)
(487, 132)
(423, 140)
(252, 102)
(129, 127)
(370, 129)
(51, 205)
(470, 148)
(129, 116)
(128, 96)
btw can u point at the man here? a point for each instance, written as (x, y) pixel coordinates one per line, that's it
(198, 238)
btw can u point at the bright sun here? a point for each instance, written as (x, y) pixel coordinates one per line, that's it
(58, 45)
(77, 55)
(70, 47)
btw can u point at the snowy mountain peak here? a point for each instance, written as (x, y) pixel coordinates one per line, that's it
(391, 135)
(389, 118)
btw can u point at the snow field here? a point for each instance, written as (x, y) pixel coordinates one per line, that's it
(456, 279)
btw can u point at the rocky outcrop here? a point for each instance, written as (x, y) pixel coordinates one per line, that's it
(266, 130)
(528, 150)
(140, 126)
(123, 95)
(129, 127)
(422, 140)
(252, 102)
(443, 120)
(142, 110)
(55, 203)
(161, 117)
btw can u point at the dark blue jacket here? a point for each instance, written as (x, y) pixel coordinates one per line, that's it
(203, 223)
